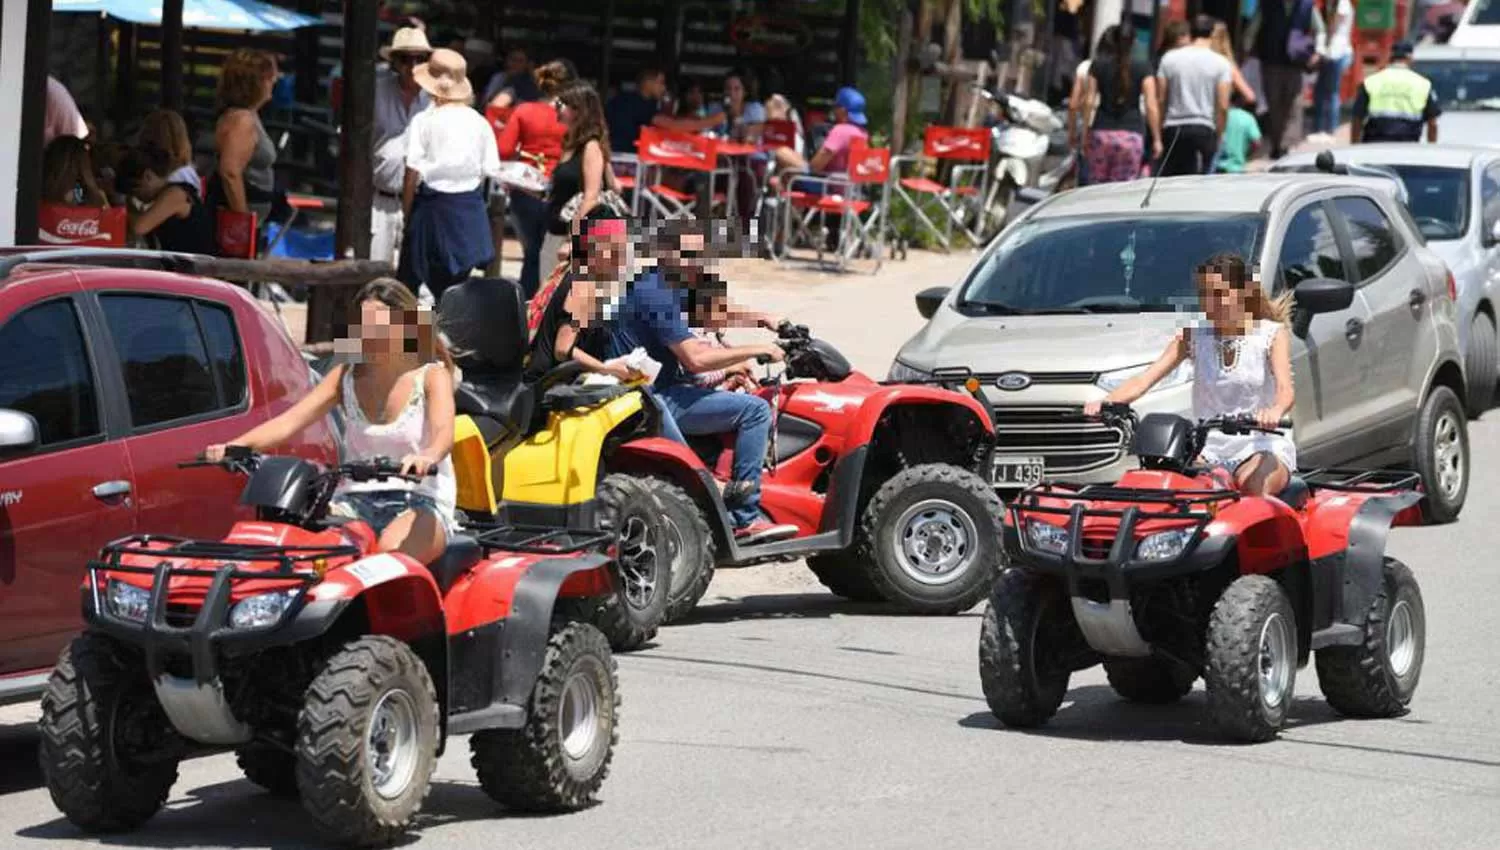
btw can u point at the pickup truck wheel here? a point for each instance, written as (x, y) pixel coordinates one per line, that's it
(558, 761)
(930, 539)
(1441, 455)
(1155, 681)
(1379, 677)
(367, 741)
(1251, 669)
(1023, 679)
(1481, 364)
(108, 753)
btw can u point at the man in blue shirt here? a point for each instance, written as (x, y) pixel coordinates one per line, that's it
(628, 111)
(652, 316)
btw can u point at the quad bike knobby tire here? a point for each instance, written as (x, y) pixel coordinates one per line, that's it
(1378, 677)
(367, 742)
(690, 545)
(1441, 455)
(1480, 365)
(1155, 681)
(560, 758)
(272, 769)
(841, 573)
(1021, 683)
(930, 539)
(1251, 659)
(108, 753)
(630, 617)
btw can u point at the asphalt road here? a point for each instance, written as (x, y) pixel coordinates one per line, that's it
(781, 717)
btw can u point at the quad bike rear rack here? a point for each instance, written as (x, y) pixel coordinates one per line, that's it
(538, 540)
(1361, 480)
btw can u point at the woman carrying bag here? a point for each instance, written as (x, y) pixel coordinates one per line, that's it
(450, 151)
(582, 180)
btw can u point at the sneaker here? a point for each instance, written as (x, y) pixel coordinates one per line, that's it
(761, 531)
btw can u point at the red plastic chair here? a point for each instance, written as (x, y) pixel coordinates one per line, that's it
(658, 150)
(778, 134)
(967, 153)
(859, 198)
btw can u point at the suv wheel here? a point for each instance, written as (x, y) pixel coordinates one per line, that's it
(1480, 365)
(1442, 455)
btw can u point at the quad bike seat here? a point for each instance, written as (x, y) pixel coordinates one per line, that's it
(1295, 493)
(461, 555)
(484, 320)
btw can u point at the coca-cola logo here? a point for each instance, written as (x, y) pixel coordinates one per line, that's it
(867, 166)
(78, 228)
(671, 149)
(950, 144)
(236, 231)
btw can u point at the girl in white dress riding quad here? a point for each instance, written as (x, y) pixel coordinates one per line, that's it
(1242, 365)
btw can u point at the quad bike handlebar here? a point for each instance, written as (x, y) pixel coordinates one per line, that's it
(1121, 413)
(243, 460)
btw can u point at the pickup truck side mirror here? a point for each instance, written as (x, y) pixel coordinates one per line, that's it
(929, 299)
(1319, 295)
(18, 431)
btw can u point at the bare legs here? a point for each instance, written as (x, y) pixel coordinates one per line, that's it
(418, 534)
(1262, 474)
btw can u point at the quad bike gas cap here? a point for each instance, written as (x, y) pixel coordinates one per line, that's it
(1013, 381)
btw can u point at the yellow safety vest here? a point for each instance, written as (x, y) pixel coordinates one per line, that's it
(1397, 92)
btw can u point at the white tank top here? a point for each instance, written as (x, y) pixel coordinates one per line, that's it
(366, 440)
(1245, 386)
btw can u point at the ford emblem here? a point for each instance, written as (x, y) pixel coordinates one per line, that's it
(1013, 381)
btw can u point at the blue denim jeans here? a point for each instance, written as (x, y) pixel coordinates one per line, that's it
(531, 226)
(1326, 94)
(701, 412)
(669, 427)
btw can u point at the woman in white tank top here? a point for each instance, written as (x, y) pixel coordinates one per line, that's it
(397, 398)
(1242, 365)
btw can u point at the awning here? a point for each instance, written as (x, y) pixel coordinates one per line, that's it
(237, 15)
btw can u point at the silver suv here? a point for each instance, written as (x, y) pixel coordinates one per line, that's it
(1084, 289)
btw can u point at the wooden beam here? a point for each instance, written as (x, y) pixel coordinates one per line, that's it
(953, 21)
(327, 305)
(171, 54)
(33, 119)
(902, 77)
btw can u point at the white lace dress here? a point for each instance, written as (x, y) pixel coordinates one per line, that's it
(402, 436)
(1245, 386)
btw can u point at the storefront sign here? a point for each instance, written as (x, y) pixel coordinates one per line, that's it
(763, 35)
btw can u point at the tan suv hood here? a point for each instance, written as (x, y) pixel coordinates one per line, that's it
(1084, 343)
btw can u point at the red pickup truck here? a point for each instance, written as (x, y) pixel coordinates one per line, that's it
(108, 378)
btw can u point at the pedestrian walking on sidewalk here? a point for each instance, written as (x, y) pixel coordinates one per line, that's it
(1287, 47)
(1394, 103)
(1119, 84)
(398, 99)
(1195, 82)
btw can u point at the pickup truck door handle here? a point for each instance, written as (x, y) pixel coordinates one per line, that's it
(1417, 298)
(1354, 329)
(111, 489)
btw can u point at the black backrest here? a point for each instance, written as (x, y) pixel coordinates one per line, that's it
(484, 320)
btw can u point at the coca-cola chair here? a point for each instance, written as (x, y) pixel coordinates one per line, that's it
(659, 151)
(92, 227)
(857, 202)
(964, 153)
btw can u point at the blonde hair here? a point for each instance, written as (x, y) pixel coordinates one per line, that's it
(1220, 42)
(164, 130)
(1233, 269)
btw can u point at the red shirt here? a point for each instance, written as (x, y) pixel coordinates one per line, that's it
(533, 127)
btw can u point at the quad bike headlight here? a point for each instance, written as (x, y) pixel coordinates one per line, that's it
(261, 610)
(1047, 538)
(127, 601)
(1164, 545)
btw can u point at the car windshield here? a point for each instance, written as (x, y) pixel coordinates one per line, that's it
(1465, 84)
(1438, 199)
(1094, 264)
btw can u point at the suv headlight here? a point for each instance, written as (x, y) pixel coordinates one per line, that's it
(1164, 545)
(1111, 380)
(127, 601)
(1047, 537)
(902, 372)
(260, 610)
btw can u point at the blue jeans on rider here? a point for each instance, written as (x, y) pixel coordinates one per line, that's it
(701, 411)
(669, 427)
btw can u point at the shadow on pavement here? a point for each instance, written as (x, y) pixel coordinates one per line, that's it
(18, 754)
(1096, 713)
(237, 814)
(787, 606)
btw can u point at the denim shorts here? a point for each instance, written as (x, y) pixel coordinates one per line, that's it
(379, 508)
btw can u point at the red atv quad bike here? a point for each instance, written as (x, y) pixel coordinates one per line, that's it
(883, 482)
(1168, 576)
(335, 672)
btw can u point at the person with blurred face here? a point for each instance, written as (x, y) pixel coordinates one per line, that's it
(572, 326)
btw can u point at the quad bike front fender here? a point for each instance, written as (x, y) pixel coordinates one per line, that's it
(862, 431)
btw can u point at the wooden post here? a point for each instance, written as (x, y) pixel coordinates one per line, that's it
(973, 114)
(327, 306)
(952, 53)
(33, 119)
(902, 86)
(171, 54)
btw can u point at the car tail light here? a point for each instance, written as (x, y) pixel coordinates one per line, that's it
(1452, 287)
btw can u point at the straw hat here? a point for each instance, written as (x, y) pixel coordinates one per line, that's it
(445, 75)
(409, 40)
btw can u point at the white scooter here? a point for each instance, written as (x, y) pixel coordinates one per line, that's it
(1028, 132)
